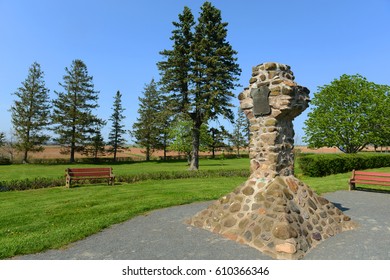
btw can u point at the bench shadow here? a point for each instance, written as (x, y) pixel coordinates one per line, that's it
(363, 189)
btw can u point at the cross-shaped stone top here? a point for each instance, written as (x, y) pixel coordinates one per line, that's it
(271, 102)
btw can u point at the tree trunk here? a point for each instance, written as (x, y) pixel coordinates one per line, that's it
(195, 145)
(73, 143)
(147, 153)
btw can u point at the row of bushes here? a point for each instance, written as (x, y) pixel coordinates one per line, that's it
(318, 165)
(38, 183)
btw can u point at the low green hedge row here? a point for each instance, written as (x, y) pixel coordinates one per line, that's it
(38, 183)
(318, 165)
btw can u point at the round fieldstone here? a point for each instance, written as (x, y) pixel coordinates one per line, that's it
(248, 191)
(286, 248)
(248, 236)
(229, 222)
(235, 207)
(316, 236)
(284, 231)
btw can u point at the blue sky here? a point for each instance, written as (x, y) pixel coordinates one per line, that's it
(120, 42)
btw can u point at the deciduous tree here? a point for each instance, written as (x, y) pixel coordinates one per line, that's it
(349, 113)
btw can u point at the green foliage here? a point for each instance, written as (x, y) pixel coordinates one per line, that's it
(217, 139)
(200, 71)
(30, 112)
(240, 135)
(181, 137)
(318, 165)
(146, 129)
(4, 161)
(2, 139)
(96, 145)
(28, 184)
(349, 113)
(116, 140)
(73, 118)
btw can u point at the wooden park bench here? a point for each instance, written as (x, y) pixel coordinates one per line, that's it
(368, 178)
(76, 174)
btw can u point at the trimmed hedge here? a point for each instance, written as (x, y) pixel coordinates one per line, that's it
(38, 183)
(319, 165)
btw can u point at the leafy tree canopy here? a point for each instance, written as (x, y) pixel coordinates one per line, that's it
(349, 113)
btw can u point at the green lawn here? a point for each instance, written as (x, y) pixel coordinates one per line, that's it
(35, 220)
(23, 171)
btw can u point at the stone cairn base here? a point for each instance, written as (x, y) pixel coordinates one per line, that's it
(282, 218)
(273, 211)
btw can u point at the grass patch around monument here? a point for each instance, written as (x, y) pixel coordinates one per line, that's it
(36, 220)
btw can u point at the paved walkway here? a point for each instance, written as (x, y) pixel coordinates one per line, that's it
(162, 235)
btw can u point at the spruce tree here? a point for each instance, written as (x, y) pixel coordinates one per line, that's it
(75, 123)
(96, 146)
(146, 129)
(116, 140)
(240, 135)
(30, 112)
(201, 74)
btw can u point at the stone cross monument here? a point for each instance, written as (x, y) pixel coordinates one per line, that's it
(273, 211)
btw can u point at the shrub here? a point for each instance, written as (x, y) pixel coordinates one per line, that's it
(318, 165)
(4, 161)
(27, 184)
(37, 183)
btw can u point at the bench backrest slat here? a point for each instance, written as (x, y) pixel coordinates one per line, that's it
(374, 174)
(89, 172)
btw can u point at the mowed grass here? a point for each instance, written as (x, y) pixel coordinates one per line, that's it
(23, 171)
(35, 220)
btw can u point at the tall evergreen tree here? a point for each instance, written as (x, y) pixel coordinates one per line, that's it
(146, 129)
(202, 73)
(74, 120)
(217, 137)
(96, 146)
(30, 112)
(116, 140)
(240, 135)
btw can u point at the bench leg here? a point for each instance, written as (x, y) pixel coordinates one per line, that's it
(352, 186)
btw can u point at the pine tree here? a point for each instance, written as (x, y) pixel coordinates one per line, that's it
(201, 73)
(30, 112)
(217, 136)
(146, 129)
(73, 116)
(96, 146)
(240, 135)
(116, 140)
